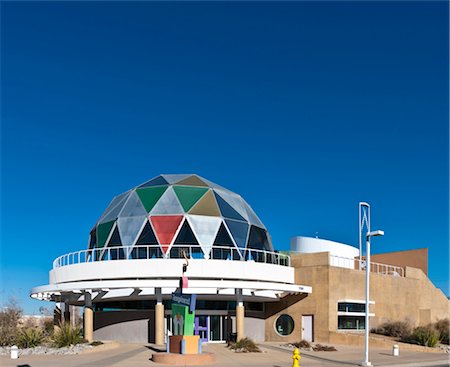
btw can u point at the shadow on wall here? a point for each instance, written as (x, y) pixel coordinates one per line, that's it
(273, 308)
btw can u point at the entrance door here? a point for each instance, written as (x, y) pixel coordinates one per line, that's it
(307, 327)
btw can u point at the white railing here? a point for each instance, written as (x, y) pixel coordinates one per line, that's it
(175, 252)
(356, 264)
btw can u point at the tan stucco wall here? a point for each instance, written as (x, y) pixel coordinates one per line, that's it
(413, 258)
(413, 297)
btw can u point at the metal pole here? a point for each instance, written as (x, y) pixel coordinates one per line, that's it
(367, 328)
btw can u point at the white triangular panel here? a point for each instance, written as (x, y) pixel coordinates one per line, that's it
(205, 230)
(133, 207)
(168, 204)
(129, 229)
(253, 218)
(171, 179)
(113, 209)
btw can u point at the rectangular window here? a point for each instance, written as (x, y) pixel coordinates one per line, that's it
(351, 322)
(351, 307)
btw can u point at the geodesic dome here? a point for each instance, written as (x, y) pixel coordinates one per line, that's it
(180, 210)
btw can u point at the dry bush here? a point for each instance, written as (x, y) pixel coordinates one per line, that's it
(442, 327)
(245, 345)
(398, 329)
(324, 348)
(302, 344)
(423, 335)
(9, 322)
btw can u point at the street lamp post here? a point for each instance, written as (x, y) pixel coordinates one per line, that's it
(366, 324)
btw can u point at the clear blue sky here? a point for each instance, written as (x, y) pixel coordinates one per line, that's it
(304, 109)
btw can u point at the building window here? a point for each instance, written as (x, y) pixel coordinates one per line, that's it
(351, 307)
(351, 322)
(284, 325)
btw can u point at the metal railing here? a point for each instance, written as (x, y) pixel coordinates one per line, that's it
(356, 264)
(174, 252)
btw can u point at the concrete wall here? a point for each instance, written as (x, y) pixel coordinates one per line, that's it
(413, 297)
(254, 329)
(127, 326)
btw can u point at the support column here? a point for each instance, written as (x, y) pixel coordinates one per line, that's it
(66, 312)
(240, 314)
(88, 318)
(159, 318)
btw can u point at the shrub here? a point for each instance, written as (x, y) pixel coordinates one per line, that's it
(47, 326)
(302, 344)
(245, 345)
(29, 337)
(9, 320)
(423, 335)
(398, 329)
(96, 343)
(442, 327)
(66, 335)
(324, 348)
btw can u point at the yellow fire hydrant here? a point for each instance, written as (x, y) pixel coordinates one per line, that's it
(296, 358)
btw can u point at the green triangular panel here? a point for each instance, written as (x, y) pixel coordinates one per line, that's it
(189, 195)
(103, 231)
(150, 196)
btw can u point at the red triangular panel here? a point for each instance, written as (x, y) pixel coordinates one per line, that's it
(165, 227)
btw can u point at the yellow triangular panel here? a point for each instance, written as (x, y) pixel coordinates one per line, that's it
(207, 205)
(192, 181)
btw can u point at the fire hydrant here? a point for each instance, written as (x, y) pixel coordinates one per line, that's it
(296, 358)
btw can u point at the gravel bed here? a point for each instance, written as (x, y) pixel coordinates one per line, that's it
(73, 349)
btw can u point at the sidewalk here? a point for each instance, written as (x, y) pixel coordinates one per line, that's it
(137, 355)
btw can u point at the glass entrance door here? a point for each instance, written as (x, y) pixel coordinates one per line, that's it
(211, 328)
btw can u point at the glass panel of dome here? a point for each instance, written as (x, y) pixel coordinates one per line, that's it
(114, 208)
(103, 231)
(235, 201)
(205, 229)
(172, 179)
(92, 238)
(129, 228)
(168, 204)
(189, 195)
(147, 237)
(165, 228)
(115, 238)
(158, 181)
(207, 205)
(253, 218)
(186, 236)
(150, 196)
(258, 239)
(194, 180)
(226, 209)
(239, 231)
(223, 239)
(133, 207)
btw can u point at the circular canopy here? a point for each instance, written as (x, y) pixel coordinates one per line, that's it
(180, 210)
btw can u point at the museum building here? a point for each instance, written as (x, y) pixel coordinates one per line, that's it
(134, 261)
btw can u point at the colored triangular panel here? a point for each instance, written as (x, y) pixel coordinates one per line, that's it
(223, 237)
(114, 208)
(129, 228)
(150, 195)
(158, 181)
(103, 231)
(147, 237)
(194, 180)
(235, 201)
(133, 207)
(189, 195)
(166, 226)
(168, 204)
(239, 231)
(207, 205)
(172, 179)
(253, 218)
(205, 229)
(226, 209)
(186, 236)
